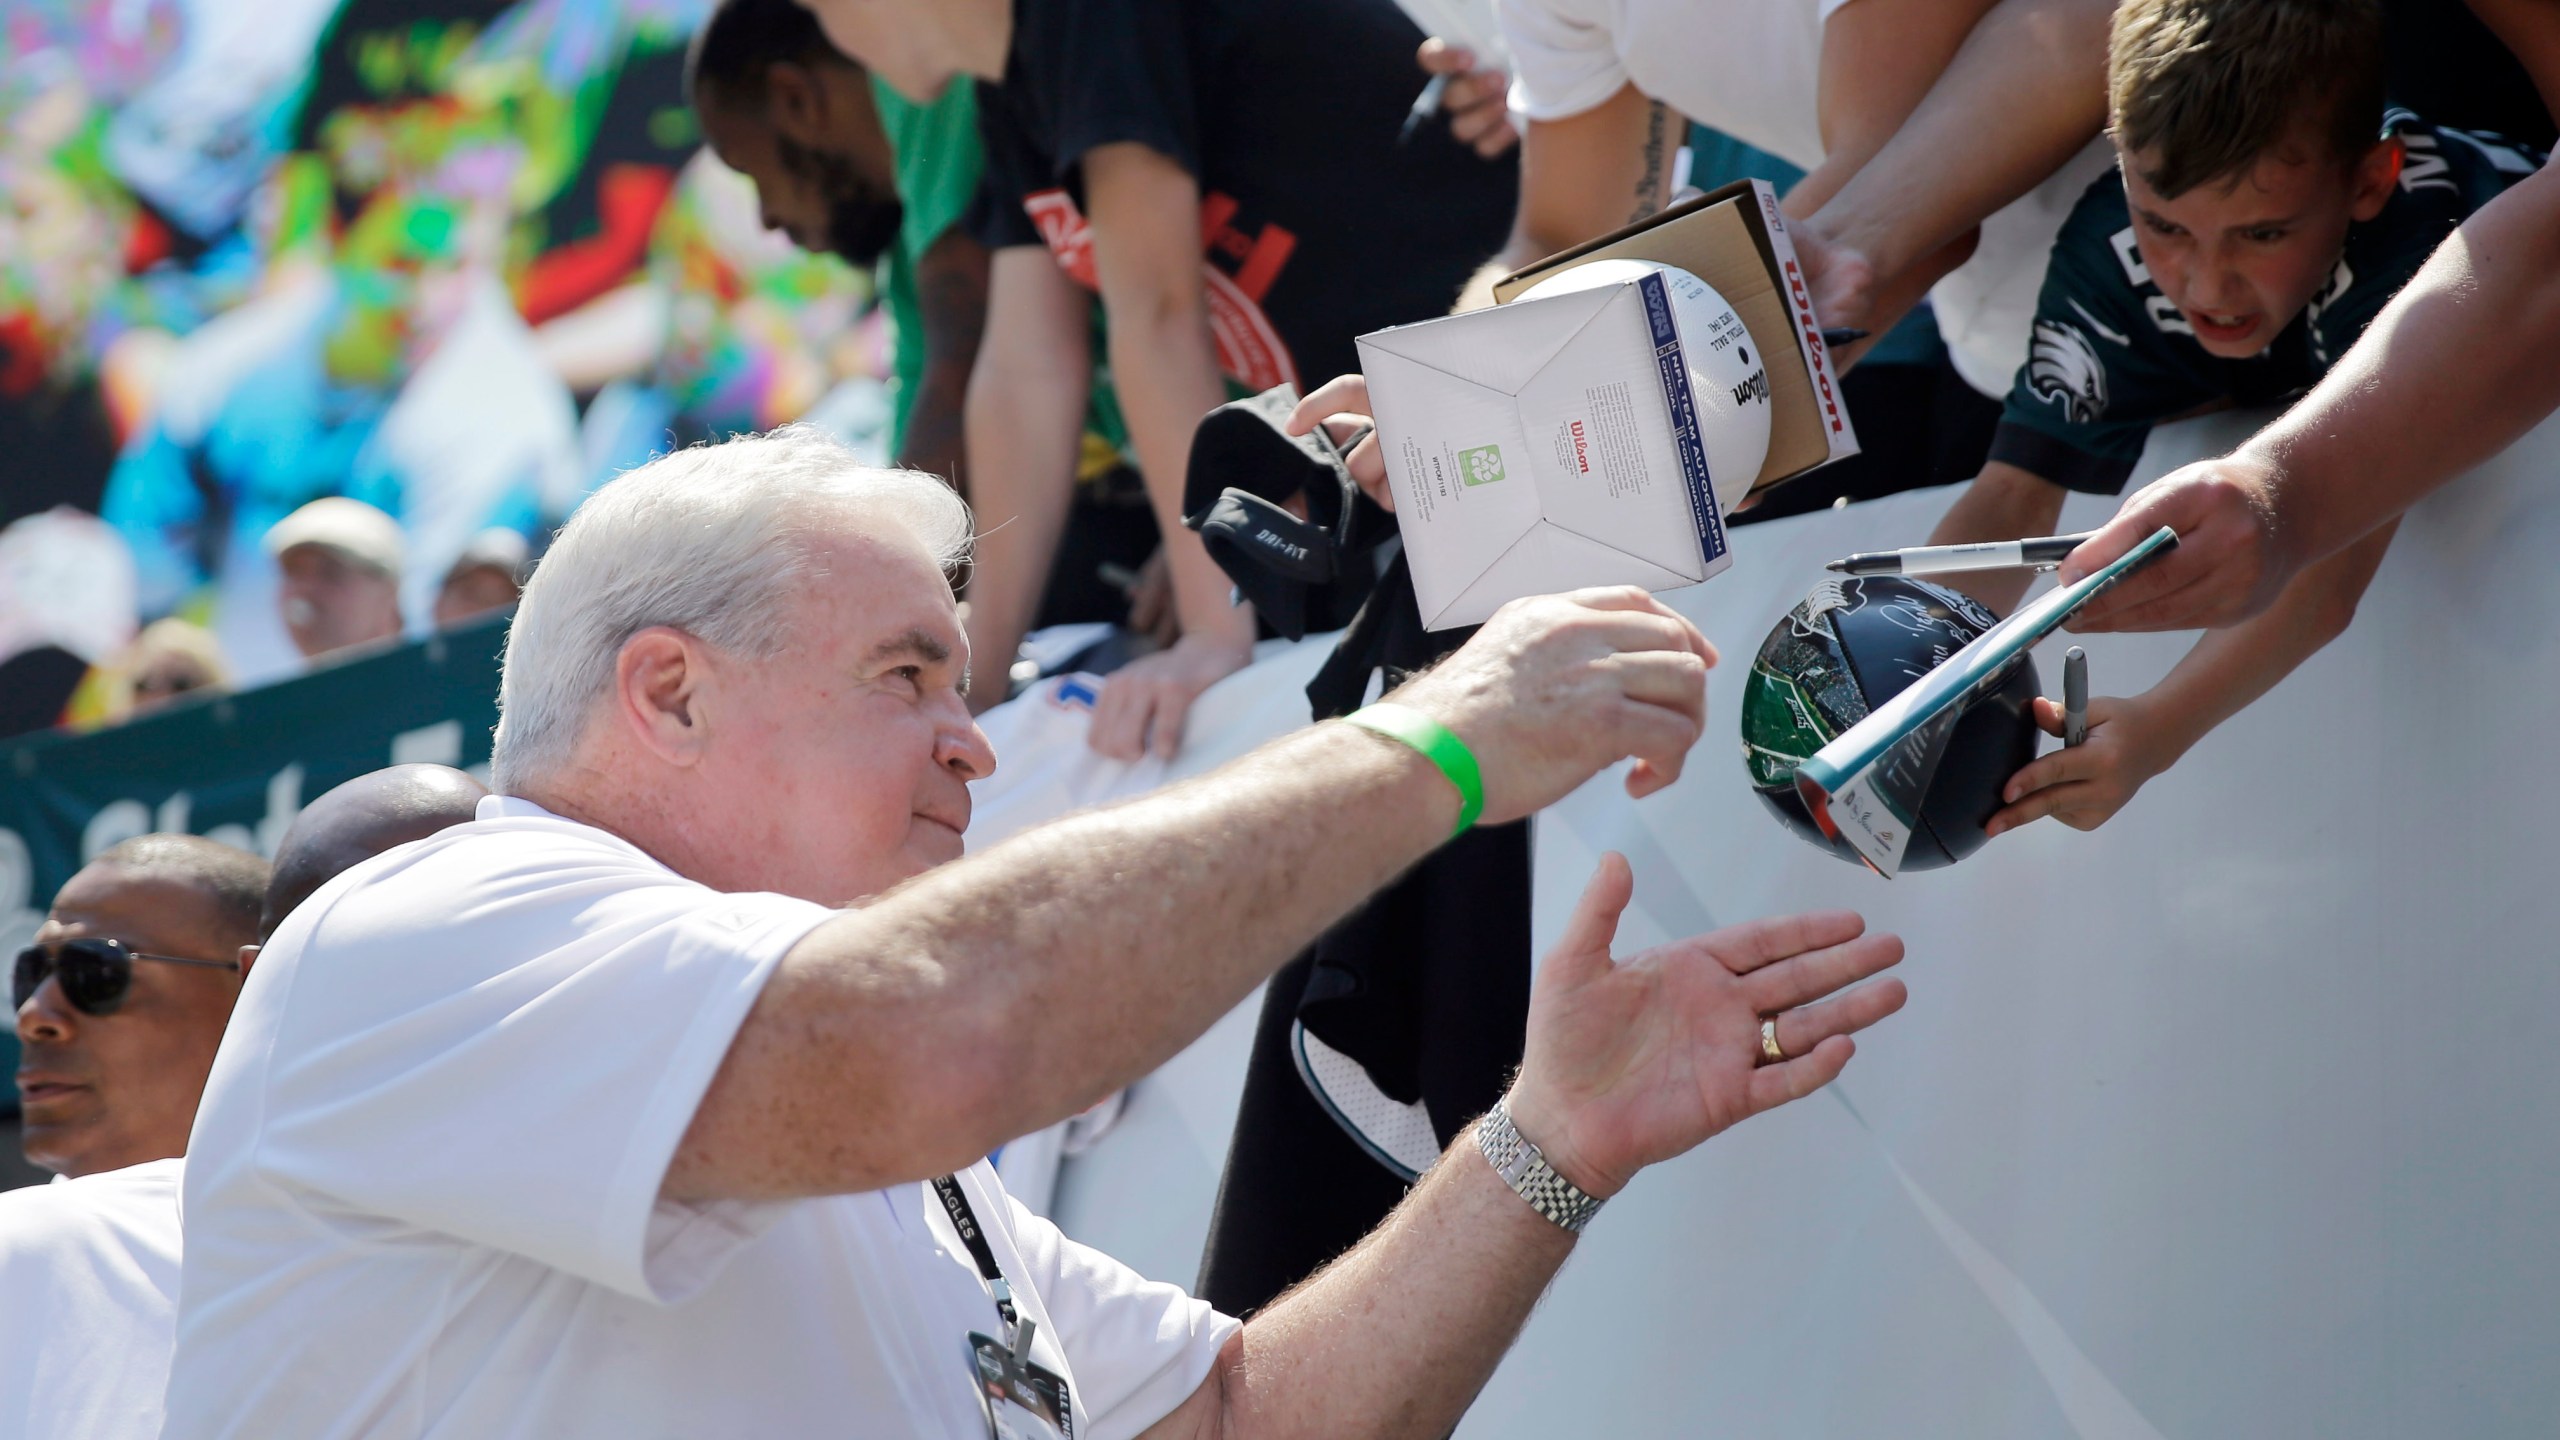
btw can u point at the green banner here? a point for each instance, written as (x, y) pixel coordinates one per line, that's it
(236, 767)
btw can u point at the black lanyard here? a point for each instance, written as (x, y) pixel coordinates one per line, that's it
(965, 1220)
(1030, 1386)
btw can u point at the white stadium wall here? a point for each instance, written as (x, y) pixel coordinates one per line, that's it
(2233, 1118)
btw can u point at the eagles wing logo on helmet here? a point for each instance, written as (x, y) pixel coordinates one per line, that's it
(2063, 367)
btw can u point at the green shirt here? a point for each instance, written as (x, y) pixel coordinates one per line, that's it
(935, 150)
(938, 162)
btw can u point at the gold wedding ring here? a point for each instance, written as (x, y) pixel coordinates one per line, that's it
(1769, 1050)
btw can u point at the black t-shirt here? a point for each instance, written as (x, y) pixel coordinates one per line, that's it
(2112, 357)
(1316, 224)
(2441, 62)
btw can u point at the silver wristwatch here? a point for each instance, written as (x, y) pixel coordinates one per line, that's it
(1529, 1175)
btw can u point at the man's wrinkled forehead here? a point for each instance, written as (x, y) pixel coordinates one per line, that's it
(871, 582)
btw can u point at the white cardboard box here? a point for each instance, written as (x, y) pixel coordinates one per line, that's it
(1542, 446)
(1735, 238)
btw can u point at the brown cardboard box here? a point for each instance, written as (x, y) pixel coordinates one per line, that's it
(1734, 239)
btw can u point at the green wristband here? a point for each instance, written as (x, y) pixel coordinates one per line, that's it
(1438, 745)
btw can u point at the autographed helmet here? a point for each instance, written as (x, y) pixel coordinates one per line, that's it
(1849, 647)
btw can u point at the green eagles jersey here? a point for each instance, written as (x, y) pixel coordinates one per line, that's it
(2111, 356)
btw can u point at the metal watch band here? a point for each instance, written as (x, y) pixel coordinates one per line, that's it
(1529, 1175)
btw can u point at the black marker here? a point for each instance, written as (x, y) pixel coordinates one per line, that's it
(1948, 559)
(1840, 335)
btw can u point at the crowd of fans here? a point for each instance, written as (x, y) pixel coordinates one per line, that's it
(1096, 222)
(339, 565)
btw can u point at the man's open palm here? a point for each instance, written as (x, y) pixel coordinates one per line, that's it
(1634, 1061)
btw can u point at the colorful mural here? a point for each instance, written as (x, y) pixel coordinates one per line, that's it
(462, 259)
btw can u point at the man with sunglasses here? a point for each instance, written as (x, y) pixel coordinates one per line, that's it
(122, 996)
(120, 1003)
(90, 1267)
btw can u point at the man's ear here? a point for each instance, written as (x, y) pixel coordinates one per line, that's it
(2375, 175)
(660, 683)
(796, 103)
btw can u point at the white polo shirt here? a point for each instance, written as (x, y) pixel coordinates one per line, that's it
(88, 1297)
(1753, 69)
(424, 1193)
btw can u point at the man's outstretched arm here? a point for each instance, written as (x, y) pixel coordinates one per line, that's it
(1010, 990)
(2024, 93)
(2450, 373)
(1628, 1063)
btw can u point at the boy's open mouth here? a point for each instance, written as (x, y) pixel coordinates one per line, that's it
(2224, 328)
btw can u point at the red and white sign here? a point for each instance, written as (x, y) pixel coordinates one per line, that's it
(1250, 349)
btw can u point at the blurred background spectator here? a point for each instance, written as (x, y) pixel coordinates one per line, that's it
(170, 658)
(341, 564)
(66, 605)
(486, 578)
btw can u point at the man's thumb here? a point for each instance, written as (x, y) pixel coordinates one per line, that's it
(1584, 948)
(2093, 554)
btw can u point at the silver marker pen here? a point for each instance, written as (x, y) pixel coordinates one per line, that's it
(1423, 105)
(2075, 696)
(1948, 559)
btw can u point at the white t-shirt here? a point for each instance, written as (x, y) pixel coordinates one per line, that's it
(1753, 69)
(424, 1193)
(1750, 68)
(88, 1297)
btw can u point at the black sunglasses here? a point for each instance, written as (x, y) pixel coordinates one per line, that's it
(95, 972)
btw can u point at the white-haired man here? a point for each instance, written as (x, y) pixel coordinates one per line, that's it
(592, 1118)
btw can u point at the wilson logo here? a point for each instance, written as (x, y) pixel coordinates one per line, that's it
(1755, 388)
(1581, 450)
(1813, 345)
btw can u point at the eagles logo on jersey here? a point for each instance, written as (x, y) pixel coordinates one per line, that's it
(2063, 367)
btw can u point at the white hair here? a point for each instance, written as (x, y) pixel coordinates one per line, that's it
(712, 541)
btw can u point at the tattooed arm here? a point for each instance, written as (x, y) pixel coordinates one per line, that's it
(1653, 182)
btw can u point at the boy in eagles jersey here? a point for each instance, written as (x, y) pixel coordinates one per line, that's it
(2266, 208)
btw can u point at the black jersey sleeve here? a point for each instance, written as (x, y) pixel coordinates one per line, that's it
(1014, 168)
(1109, 72)
(2101, 366)
(1082, 74)
(2445, 176)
